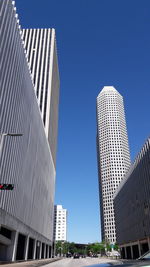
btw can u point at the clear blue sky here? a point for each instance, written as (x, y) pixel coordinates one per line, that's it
(99, 42)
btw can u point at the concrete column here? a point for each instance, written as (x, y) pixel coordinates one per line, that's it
(40, 250)
(139, 247)
(125, 250)
(44, 250)
(131, 252)
(12, 249)
(148, 239)
(34, 249)
(26, 247)
(47, 251)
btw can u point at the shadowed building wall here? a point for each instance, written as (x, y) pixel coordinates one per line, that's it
(132, 207)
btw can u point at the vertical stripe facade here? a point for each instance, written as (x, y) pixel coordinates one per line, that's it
(40, 46)
(25, 161)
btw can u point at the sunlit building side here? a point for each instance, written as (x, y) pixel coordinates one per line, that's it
(28, 161)
(112, 154)
(60, 223)
(41, 50)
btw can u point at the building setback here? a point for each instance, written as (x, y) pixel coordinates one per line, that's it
(26, 213)
(60, 223)
(112, 153)
(132, 207)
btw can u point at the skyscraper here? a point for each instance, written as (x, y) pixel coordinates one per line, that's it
(40, 46)
(27, 162)
(60, 223)
(112, 153)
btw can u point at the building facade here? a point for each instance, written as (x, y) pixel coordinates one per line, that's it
(112, 153)
(60, 223)
(132, 207)
(26, 213)
(40, 46)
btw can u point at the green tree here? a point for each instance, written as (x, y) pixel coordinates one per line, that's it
(116, 247)
(58, 247)
(102, 248)
(108, 246)
(96, 248)
(65, 248)
(72, 248)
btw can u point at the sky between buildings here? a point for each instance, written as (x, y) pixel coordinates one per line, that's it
(99, 42)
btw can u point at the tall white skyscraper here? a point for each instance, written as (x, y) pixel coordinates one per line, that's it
(113, 154)
(60, 223)
(40, 45)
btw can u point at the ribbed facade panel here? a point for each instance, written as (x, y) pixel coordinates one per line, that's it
(132, 201)
(40, 45)
(25, 161)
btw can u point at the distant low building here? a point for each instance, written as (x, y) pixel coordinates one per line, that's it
(60, 223)
(132, 207)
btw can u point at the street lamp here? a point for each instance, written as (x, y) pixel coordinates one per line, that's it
(11, 134)
(7, 134)
(6, 186)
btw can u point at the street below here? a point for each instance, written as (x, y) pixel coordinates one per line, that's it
(92, 262)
